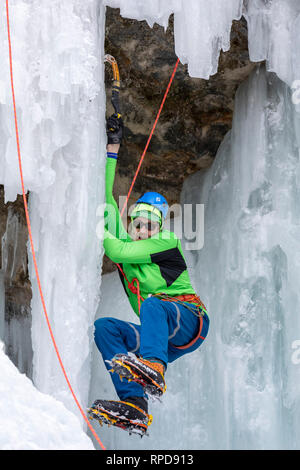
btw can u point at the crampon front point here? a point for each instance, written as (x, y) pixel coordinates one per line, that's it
(122, 415)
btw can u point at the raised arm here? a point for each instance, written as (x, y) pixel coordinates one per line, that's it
(113, 220)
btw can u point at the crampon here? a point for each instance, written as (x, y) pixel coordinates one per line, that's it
(146, 373)
(121, 414)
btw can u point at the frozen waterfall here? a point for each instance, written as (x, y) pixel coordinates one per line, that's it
(249, 272)
(57, 52)
(240, 390)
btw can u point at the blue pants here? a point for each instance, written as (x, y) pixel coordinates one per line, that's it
(164, 325)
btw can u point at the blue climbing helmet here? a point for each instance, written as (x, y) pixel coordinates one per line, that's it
(151, 204)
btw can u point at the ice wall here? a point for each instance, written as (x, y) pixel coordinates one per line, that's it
(57, 49)
(201, 28)
(240, 389)
(242, 386)
(2, 305)
(64, 214)
(274, 35)
(248, 270)
(58, 71)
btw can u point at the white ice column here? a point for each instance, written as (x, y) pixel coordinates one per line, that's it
(64, 220)
(248, 274)
(201, 28)
(2, 305)
(274, 35)
(59, 86)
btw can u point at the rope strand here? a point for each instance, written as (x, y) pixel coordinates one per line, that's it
(151, 134)
(131, 285)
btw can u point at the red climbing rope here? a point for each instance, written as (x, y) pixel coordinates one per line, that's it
(151, 134)
(131, 286)
(31, 241)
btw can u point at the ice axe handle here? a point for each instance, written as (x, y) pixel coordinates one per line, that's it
(115, 96)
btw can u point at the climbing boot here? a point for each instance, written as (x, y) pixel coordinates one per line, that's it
(130, 414)
(148, 373)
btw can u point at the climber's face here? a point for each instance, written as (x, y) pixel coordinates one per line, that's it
(144, 228)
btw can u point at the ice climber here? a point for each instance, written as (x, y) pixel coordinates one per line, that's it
(173, 320)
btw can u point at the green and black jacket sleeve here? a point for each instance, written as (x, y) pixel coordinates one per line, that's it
(157, 262)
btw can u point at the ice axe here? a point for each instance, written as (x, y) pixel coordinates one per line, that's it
(116, 83)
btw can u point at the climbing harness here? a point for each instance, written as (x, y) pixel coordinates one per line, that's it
(30, 236)
(199, 310)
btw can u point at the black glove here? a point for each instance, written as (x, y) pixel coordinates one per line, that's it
(114, 129)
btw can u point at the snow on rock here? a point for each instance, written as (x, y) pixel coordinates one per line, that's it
(201, 28)
(31, 420)
(154, 11)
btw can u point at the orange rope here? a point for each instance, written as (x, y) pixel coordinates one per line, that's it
(137, 290)
(31, 241)
(130, 285)
(150, 136)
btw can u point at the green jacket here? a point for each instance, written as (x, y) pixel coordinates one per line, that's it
(157, 262)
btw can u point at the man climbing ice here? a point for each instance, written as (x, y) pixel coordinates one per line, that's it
(173, 320)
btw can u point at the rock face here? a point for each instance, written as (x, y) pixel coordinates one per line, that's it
(197, 115)
(14, 266)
